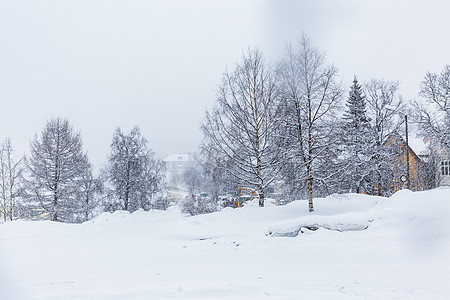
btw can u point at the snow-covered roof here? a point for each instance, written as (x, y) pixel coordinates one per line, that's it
(178, 157)
(418, 144)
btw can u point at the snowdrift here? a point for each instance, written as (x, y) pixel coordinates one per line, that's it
(342, 222)
(351, 247)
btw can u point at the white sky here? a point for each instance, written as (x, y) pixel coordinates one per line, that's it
(156, 64)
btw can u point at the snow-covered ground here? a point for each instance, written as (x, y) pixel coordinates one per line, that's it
(364, 248)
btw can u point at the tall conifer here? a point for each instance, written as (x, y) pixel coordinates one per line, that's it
(358, 139)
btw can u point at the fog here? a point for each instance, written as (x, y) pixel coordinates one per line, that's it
(157, 64)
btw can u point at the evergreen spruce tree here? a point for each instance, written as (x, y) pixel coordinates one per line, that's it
(358, 140)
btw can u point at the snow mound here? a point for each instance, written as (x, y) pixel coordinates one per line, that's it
(342, 222)
(115, 217)
(255, 203)
(139, 216)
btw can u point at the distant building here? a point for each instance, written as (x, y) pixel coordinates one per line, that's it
(176, 164)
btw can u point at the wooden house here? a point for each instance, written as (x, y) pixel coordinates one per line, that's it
(418, 179)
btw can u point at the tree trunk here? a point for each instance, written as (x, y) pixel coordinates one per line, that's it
(310, 197)
(308, 166)
(260, 184)
(127, 192)
(55, 206)
(261, 199)
(127, 187)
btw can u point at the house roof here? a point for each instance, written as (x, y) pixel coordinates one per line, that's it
(418, 144)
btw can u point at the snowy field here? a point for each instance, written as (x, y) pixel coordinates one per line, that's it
(364, 248)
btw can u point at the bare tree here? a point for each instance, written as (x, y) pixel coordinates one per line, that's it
(204, 176)
(241, 128)
(194, 179)
(434, 114)
(90, 189)
(385, 108)
(310, 94)
(56, 165)
(11, 170)
(133, 171)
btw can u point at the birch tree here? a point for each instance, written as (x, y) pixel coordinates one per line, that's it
(385, 108)
(11, 170)
(434, 112)
(310, 94)
(241, 128)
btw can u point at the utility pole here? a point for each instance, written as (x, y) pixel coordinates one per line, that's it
(407, 154)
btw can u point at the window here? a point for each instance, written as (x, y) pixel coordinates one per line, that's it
(445, 167)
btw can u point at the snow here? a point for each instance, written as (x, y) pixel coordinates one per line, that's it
(418, 145)
(364, 248)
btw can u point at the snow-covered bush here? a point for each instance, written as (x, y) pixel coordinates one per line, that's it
(197, 205)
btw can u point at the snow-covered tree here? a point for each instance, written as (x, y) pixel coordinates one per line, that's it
(195, 205)
(434, 114)
(133, 172)
(385, 108)
(204, 175)
(193, 178)
(358, 141)
(89, 193)
(241, 128)
(11, 170)
(206, 181)
(428, 170)
(310, 94)
(219, 181)
(56, 166)
(202, 197)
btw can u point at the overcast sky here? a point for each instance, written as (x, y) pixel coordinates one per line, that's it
(157, 64)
